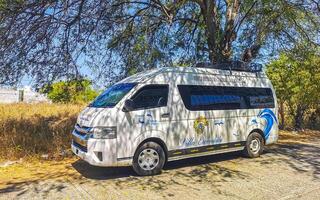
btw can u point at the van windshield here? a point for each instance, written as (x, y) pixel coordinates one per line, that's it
(112, 95)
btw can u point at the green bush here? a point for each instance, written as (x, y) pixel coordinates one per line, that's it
(296, 76)
(74, 91)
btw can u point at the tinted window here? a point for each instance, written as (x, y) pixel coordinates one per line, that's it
(225, 98)
(151, 96)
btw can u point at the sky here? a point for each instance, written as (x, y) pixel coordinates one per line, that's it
(28, 81)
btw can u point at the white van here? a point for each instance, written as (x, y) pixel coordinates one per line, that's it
(174, 113)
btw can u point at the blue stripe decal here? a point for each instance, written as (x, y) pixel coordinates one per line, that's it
(270, 118)
(82, 137)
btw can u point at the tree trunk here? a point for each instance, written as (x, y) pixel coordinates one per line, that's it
(281, 113)
(313, 120)
(298, 118)
(207, 9)
(250, 53)
(219, 47)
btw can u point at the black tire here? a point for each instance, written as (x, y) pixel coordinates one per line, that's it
(253, 138)
(149, 148)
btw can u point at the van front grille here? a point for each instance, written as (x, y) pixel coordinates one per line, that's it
(79, 146)
(80, 133)
(81, 130)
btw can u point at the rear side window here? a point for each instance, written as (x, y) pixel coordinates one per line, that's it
(225, 98)
(151, 96)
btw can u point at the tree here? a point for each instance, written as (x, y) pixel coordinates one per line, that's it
(75, 91)
(52, 39)
(296, 77)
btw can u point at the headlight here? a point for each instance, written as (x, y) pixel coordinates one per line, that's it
(104, 133)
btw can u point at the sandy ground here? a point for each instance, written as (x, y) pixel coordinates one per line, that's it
(287, 170)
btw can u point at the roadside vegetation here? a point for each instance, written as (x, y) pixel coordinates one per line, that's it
(36, 130)
(76, 91)
(43, 130)
(295, 76)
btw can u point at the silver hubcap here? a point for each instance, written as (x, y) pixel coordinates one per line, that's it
(255, 146)
(148, 159)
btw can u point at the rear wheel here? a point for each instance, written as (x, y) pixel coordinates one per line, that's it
(254, 145)
(149, 159)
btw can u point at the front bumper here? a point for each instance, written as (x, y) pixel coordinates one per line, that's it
(98, 152)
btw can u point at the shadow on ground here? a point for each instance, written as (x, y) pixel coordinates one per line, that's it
(22, 185)
(191, 173)
(105, 173)
(101, 173)
(300, 157)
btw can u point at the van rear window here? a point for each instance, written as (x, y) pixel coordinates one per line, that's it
(225, 98)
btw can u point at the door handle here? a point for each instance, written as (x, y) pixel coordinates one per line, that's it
(165, 115)
(218, 122)
(141, 120)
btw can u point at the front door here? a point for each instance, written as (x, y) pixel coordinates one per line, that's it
(149, 115)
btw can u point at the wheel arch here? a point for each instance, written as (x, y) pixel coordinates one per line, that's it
(257, 130)
(158, 141)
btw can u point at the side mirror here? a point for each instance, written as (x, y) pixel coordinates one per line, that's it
(128, 106)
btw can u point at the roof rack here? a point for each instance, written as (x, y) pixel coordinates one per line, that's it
(233, 66)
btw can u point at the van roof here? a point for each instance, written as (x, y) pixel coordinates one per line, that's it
(145, 75)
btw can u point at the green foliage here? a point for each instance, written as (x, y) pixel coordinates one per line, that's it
(2, 6)
(44, 39)
(296, 77)
(75, 91)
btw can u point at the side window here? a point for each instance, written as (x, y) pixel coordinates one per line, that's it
(225, 98)
(261, 98)
(209, 98)
(151, 96)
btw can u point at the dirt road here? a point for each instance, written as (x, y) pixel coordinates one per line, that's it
(288, 170)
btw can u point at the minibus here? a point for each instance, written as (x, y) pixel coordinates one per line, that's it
(173, 113)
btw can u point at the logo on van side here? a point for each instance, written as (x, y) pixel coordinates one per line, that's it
(270, 118)
(199, 124)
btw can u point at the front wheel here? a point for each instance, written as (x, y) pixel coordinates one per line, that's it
(149, 159)
(254, 145)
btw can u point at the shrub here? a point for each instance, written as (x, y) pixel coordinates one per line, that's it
(75, 91)
(29, 130)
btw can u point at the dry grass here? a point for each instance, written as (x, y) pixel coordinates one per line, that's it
(297, 136)
(35, 170)
(36, 129)
(30, 130)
